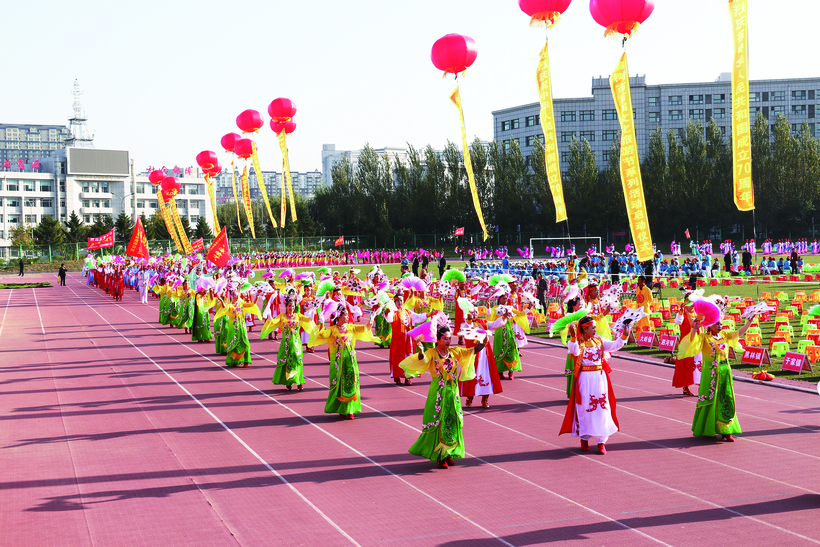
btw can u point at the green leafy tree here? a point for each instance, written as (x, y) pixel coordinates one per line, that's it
(102, 225)
(76, 230)
(21, 236)
(203, 229)
(124, 226)
(49, 232)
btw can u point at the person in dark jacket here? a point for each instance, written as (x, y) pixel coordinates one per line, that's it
(442, 264)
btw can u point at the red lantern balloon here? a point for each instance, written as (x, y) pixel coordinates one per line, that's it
(288, 127)
(170, 188)
(621, 16)
(244, 148)
(282, 110)
(155, 177)
(206, 159)
(214, 171)
(229, 141)
(543, 12)
(454, 53)
(249, 121)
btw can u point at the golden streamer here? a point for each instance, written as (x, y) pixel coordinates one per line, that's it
(283, 201)
(183, 237)
(455, 96)
(630, 163)
(169, 224)
(283, 146)
(235, 199)
(212, 195)
(246, 199)
(741, 130)
(260, 181)
(542, 76)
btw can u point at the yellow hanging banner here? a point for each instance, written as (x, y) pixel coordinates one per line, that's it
(553, 164)
(261, 183)
(235, 199)
(169, 224)
(183, 237)
(741, 130)
(283, 146)
(284, 209)
(246, 199)
(630, 163)
(212, 195)
(455, 96)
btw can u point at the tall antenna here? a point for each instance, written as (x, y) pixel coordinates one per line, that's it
(77, 123)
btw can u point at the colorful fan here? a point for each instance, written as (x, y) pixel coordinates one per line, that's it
(707, 312)
(426, 330)
(449, 275)
(814, 311)
(414, 283)
(287, 273)
(465, 305)
(324, 287)
(565, 321)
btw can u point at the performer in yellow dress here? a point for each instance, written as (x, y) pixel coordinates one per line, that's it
(289, 364)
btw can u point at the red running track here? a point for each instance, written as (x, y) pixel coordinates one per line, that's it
(115, 431)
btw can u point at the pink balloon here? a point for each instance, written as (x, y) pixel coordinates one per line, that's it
(541, 10)
(621, 16)
(249, 121)
(243, 148)
(454, 53)
(229, 141)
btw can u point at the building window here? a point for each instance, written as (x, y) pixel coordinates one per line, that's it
(799, 95)
(505, 126)
(31, 219)
(778, 110)
(567, 115)
(515, 123)
(514, 140)
(47, 203)
(655, 117)
(14, 219)
(533, 120)
(605, 155)
(104, 187)
(778, 95)
(153, 204)
(695, 113)
(13, 202)
(755, 97)
(653, 101)
(62, 203)
(87, 219)
(676, 99)
(141, 203)
(676, 114)
(566, 136)
(719, 98)
(588, 135)
(107, 203)
(799, 109)
(29, 202)
(141, 188)
(695, 99)
(532, 140)
(11, 186)
(609, 134)
(194, 219)
(720, 113)
(610, 114)
(506, 145)
(565, 156)
(45, 187)
(29, 186)
(587, 115)
(86, 203)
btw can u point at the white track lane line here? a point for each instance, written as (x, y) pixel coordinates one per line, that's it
(343, 443)
(5, 311)
(42, 328)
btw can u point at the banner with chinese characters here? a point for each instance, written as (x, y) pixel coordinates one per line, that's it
(219, 252)
(283, 198)
(630, 163)
(235, 199)
(138, 246)
(169, 223)
(455, 96)
(183, 237)
(246, 199)
(283, 146)
(212, 195)
(105, 240)
(741, 132)
(553, 164)
(261, 183)
(197, 245)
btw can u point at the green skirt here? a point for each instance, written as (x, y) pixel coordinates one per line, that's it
(163, 309)
(441, 434)
(201, 324)
(239, 347)
(219, 335)
(715, 412)
(383, 331)
(569, 370)
(505, 349)
(345, 396)
(289, 366)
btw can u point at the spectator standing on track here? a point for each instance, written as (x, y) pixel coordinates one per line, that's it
(143, 280)
(61, 274)
(442, 264)
(21, 267)
(416, 266)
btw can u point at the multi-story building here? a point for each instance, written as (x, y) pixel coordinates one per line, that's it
(89, 182)
(331, 156)
(668, 106)
(304, 183)
(30, 143)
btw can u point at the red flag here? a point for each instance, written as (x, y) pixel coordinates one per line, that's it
(460, 231)
(138, 246)
(219, 252)
(105, 240)
(340, 241)
(197, 245)
(687, 233)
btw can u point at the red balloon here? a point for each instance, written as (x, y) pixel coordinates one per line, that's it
(543, 10)
(170, 188)
(249, 121)
(155, 177)
(288, 127)
(214, 171)
(244, 148)
(229, 141)
(206, 159)
(454, 53)
(282, 110)
(621, 16)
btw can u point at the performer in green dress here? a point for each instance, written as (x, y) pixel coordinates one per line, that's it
(289, 366)
(201, 324)
(344, 396)
(715, 411)
(503, 320)
(441, 438)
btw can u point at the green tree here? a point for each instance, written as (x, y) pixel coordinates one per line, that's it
(21, 236)
(49, 231)
(124, 226)
(102, 225)
(76, 230)
(203, 229)
(582, 182)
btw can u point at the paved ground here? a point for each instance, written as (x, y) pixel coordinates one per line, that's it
(114, 431)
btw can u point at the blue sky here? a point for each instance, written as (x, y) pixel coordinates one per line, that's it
(167, 79)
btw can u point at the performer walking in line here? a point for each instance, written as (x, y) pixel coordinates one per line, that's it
(289, 365)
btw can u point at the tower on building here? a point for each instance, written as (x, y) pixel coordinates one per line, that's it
(77, 123)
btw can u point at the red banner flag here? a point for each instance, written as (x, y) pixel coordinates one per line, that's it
(138, 246)
(219, 252)
(460, 231)
(106, 240)
(197, 245)
(340, 241)
(687, 233)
